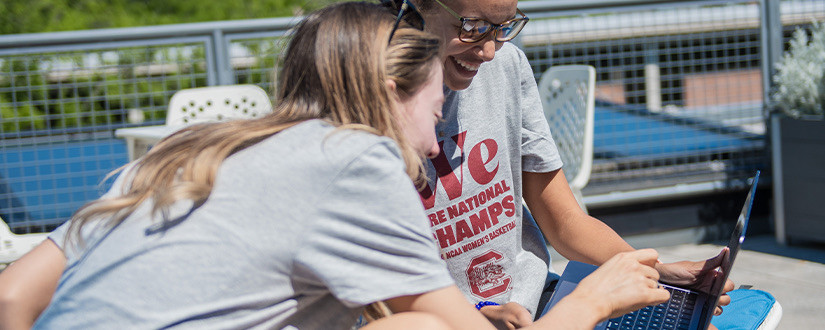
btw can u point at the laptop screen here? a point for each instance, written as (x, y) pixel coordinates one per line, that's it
(709, 290)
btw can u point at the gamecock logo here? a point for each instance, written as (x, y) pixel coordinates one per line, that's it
(486, 275)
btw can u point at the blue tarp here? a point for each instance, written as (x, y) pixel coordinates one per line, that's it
(620, 133)
(51, 181)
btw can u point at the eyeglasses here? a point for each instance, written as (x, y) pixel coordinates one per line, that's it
(475, 29)
(404, 9)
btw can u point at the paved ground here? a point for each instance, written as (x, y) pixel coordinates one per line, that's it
(794, 275)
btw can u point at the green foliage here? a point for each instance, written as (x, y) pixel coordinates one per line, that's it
(28, 16)
(22, 83)
(800, 76)
(21, 77)
(21, 117)
(62, 91)
(266, 52)
(34, 98)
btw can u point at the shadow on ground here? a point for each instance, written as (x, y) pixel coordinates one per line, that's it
(799, 250)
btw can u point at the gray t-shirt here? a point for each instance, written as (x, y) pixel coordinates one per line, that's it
(493, 130)
(300, 231)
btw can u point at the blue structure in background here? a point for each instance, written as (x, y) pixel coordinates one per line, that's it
(637, 134)
(44, 184)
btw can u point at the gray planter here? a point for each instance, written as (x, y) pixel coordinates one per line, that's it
(798, 178)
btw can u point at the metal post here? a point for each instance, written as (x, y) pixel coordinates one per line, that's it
(653, 87)
(771, 32)
(653, 79)
(211, 67)
(778, 185)
(221, 65)
(771, 48)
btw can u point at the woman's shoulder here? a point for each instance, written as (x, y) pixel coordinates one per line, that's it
(339, 145)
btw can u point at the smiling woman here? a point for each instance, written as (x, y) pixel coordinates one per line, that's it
(475, 29)
(464, 26)
(494, 129)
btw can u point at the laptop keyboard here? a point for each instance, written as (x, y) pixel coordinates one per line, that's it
(674, 314)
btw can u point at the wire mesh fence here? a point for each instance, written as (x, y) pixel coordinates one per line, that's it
(680, 103)
(59, 109)
(679, 94)
(256, 59)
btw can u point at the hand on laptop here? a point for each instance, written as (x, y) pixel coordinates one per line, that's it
(698, 275)
(624, 283)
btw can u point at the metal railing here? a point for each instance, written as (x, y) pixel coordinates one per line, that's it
(681, 88)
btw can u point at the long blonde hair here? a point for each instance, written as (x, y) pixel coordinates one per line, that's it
(336, 67)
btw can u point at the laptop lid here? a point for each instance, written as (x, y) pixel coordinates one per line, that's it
(734, 245)
(575, 271)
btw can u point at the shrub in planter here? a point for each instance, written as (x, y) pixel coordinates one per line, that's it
(798, 138)
(800, 77)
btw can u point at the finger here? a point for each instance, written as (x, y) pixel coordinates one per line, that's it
(646, 257)
(716, 261)
(649, 272)
(519, 316)
(724, 300)
(728, 286)
(661, 295)
(717, 311)
(523, 320)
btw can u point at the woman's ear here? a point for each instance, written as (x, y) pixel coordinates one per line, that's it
(391, 85)
(393, 90)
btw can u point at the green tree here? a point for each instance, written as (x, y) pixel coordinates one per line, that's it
(28, 16)
(16, 110)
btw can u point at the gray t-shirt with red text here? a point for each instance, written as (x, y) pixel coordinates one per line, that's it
(492, 131)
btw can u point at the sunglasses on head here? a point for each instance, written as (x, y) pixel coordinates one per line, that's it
(406, 10)
(475, 29)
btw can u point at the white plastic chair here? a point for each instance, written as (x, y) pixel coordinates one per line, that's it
(13, 246)
(197, 105)
(568, 96)
(217, 103)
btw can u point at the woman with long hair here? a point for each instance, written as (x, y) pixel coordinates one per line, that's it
(295, 220)
(251, 223)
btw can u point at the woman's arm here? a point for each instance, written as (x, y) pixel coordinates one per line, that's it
(578, 236)
(624, 283)
(447, 304)
(27, 285)
(573, 233)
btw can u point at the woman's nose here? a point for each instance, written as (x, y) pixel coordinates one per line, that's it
(487, 47)
(434, 150)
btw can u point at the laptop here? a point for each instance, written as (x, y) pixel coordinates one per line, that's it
(687, 308)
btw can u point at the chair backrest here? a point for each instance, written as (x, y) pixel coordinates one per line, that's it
(568, 97)
(13, 246)
(217, 103)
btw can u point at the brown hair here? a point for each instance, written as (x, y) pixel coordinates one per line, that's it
(336, 67)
